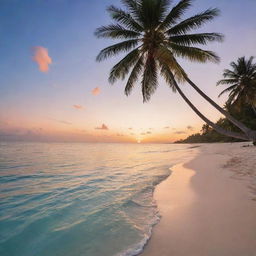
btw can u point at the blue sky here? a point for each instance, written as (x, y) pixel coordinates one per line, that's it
(32, 100)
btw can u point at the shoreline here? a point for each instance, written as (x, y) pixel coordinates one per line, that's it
(206, 207)
(138, 249)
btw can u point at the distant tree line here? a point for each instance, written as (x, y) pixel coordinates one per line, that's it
(207, 134)
(241, 103)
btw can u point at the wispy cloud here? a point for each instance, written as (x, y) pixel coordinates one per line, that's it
(189, 127)
(64, 122)
(42, 58)
(96, 91)
(102, 127)
(180, 132)
(60, 121)
(130, 128)
(78, 106)
(167, 127)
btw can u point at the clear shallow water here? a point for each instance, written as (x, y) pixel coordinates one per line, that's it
(63, 199)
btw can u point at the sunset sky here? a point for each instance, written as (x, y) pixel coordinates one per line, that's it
(52, 89)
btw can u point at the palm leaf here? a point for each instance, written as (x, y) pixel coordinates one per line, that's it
(115, 32)
(227, 81)
(134, 7)
(168, 76)
(194, 22)
(162, 6)
(235, 66)
(121, 69)
(153, 12)
(228, 89)
(124, 18)
(136, 71)
(166, 58)
(191, 39)
(233, 95)
(230, 74)
(193, 53)
(149, 80)
(117, 48)
(175, 14)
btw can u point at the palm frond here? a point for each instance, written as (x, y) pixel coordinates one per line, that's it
(136, 71)
(150, 14)
(124, 18)
(117, 48)
(200, 38)
(168, 76)
(162, 7)
(244, 66)
(227, 81)
(228, 89)
(233, 95)
(121, 69)
(249, 62)
(134, 7)
(193, 22)
(153, 12)
(235, 66)
(116, 31)
(230, 74)
(166, 58)
(149, 79)
(193, 53)
(175, 14)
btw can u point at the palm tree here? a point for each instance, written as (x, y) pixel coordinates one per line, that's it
(205, 129)
(241, 81)
(154, 38)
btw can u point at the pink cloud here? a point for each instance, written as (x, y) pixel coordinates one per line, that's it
(42, 58)
(78, 106)
(102, 127)
(96, 91)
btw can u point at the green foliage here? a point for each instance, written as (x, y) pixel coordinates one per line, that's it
(155, 35)
(240, 104)
(241, 81)
(246, 115)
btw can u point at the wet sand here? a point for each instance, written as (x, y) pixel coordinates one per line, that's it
(208, 205)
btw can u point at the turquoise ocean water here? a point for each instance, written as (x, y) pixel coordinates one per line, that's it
(79, 199)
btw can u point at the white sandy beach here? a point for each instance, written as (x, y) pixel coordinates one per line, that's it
(208, 205)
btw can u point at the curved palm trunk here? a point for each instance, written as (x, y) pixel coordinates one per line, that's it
(205, 119)
(249, 133)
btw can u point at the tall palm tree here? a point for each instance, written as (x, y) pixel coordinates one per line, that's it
(154, 38)
(241, 81)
